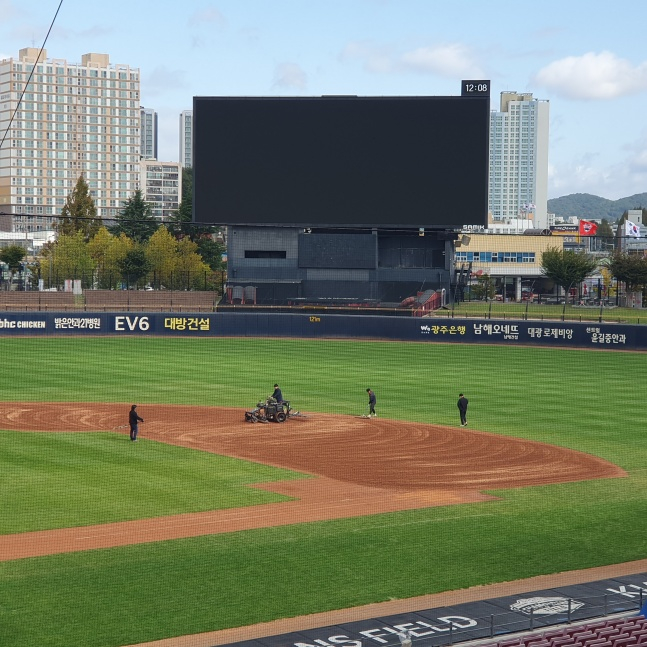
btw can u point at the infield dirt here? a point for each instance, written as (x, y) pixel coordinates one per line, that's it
(360, 467)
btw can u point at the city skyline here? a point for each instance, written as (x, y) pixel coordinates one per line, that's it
(578, 56)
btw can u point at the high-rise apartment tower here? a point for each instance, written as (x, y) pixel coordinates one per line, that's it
(518, 186)
(61, 120)
(148, 133)
(186, 138)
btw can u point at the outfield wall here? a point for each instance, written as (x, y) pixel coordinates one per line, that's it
(324, 326)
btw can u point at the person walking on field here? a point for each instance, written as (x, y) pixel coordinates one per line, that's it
(372, 400)
(133, 421)
(462, 408)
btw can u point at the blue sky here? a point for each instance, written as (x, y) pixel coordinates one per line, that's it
(587, 57)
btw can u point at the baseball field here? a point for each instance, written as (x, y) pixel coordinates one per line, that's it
(209, 522)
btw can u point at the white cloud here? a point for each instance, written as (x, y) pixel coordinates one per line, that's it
(450, 60)
(290, 75)
(207, 15)
(589, 174)
(593, 76)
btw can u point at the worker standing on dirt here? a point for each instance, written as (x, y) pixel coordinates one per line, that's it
(372, 400)
(133, 421)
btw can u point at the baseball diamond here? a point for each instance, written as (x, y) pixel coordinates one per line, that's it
(357, 464)
(410, 505)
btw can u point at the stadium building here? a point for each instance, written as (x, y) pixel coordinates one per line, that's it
(341, 200)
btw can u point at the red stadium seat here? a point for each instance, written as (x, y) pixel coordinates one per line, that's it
(511, 642)
(599, 642)
(563, 640)
(554, 633)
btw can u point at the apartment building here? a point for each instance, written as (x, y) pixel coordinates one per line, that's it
(518, 186)
(148, 133)
(60, 120)
(186, 138)
(161, 186)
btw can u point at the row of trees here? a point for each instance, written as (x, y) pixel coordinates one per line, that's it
(568, 268)
(137, 249)
(107, 261)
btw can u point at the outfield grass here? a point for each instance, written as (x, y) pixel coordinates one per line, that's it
(63, 480)
(544, 312)
(588, 400)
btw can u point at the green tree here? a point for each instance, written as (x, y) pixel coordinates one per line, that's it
(79, 213)
(108, 251)
(484, 287)
(631, 269)
(181, 222)
(71, 259)
(13, 256)
(182, 225)
(190, 269)
(187, 185)
(161, 252)
(134, 266)
(211, 251)
(135, 219)
(46, 261)
(566, 267)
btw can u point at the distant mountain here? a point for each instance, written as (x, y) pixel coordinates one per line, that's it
(591, 207)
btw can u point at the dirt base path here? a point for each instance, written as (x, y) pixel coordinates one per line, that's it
(362, 467)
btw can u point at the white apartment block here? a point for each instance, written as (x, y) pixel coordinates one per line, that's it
(62, 120)
(148, 133)
(518, 185)
(186, 138)
(161, 186)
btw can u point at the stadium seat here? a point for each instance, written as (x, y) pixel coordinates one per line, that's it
(608, 632)
(599, 642)
(598, 624)
(511, 642)
(538, 642)
(584, 635)
(615, 622)
(562, 641)
(624, 640)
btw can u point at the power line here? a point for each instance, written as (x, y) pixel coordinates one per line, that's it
(13, 116)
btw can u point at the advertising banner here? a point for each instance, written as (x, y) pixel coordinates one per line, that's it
(263, 324)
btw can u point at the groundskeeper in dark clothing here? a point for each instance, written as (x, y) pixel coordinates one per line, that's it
(277, 395)
(372, 400)
(462, 408)
(133, 420)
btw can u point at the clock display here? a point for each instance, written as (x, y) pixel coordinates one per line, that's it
(475, 88)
